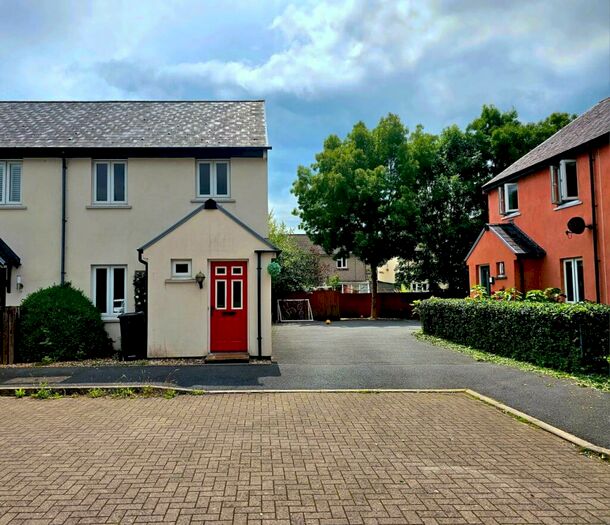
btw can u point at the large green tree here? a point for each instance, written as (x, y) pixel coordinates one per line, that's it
(358, 198)
(451, 168)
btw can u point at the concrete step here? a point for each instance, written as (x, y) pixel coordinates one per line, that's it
(228, 357)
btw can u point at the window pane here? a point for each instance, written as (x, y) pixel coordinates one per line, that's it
(101, 282)
(15, 183)
(118, 292)
(101, 182)
(571, 180)
(580, 281)
(182, 268)
(221, 295)
(222, 178)
(569, 279)
(119, 182)
(237, 285)
(204, 179)
(513, 197)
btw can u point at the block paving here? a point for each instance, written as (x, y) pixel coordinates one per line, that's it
(289, 458)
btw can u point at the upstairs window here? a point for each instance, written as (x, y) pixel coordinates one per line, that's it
(213, 178)
(342, 263)
(109, 182)
(508, 198)
(10, 182)
(564, 182)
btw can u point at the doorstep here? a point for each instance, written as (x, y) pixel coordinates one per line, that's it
(228, 357)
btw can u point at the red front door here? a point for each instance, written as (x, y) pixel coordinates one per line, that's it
(229, 314)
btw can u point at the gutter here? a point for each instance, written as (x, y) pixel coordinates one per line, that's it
(64, 169)
(594, 226)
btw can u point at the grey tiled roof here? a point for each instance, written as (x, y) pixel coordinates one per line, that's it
(589, 126)
(187, 124)
(305, 243)
(517, 240)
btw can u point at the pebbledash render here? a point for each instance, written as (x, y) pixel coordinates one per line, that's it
(91, 192)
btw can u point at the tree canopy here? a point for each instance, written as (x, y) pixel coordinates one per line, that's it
(358, 197)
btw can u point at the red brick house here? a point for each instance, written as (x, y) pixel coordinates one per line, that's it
(549, 216)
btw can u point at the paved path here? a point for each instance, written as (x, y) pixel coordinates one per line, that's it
(365, 354)
(289, 459)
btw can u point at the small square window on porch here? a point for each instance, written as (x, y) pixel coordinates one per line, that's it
(182, 268)
(500, 269)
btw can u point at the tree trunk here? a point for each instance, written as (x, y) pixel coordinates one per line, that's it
(374, 301)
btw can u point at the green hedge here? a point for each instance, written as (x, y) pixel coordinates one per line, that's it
(566, 337)
(60, 323)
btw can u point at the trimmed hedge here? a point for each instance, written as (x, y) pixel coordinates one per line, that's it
(567, 337)
(60, 323)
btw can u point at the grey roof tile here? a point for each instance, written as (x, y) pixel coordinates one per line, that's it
(141, 124)
(591, 125)
(517, 240)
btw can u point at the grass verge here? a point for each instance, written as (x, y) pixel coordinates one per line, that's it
(597, 381)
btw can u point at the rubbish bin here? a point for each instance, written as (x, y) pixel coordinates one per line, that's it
(133, 335)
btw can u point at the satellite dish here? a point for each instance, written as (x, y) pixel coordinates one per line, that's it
(576, 225)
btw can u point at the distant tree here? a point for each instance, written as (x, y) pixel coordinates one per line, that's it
(451, 168)
(301, 270)
(358, 198)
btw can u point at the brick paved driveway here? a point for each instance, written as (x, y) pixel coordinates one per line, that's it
(289, 458)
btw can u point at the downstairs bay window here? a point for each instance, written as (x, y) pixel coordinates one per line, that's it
(109, 284)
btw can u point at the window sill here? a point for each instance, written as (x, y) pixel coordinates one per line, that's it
(217, 199)
(342, 269)
(511, 215)
(110, 318)
(568, 204)
(13, 207)
(501, 277)
(176, 280)
(108, 207)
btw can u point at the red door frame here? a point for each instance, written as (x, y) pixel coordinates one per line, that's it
(228, 314)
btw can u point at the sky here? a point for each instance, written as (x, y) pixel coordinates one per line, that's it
(321, 66)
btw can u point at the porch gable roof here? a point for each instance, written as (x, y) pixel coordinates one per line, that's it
(210, 204)
(7, 256)
(514, 238)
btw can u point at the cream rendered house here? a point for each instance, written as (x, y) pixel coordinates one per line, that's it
(91, 192)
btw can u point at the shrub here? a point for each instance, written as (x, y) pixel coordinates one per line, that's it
(60, 323)
(567, 337)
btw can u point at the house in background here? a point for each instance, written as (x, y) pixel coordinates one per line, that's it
(549, 216)
(91, 192)
(354, 275)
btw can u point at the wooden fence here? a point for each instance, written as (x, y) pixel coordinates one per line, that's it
(328, 304)
(9, 316)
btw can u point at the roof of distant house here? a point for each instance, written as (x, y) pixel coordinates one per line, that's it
(134, 124)
(305, 243)
(589, 126)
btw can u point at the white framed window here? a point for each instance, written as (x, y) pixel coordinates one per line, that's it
(182, 268)
(419, 286)
(342, 263)
(568, 180)
(237, 270)
(110, 182)
(10, 182)
(213, 178)
(500, 269)
(508, 198)
(221, 270)
(574, 280)
(237, 297)
(109, 284)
